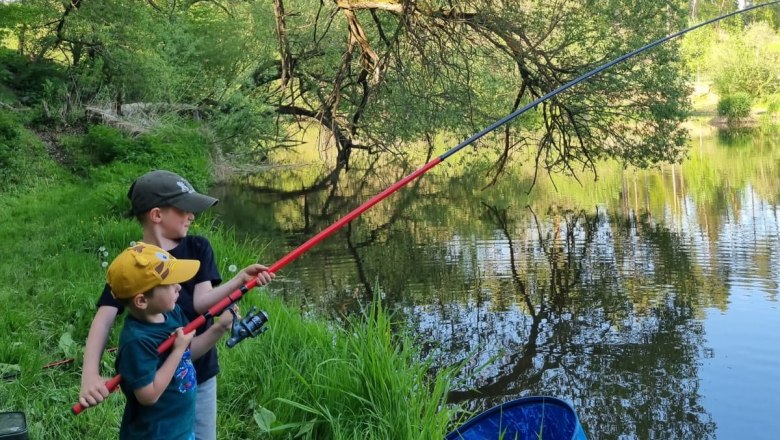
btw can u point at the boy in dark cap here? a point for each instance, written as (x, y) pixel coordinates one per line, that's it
(165, 204)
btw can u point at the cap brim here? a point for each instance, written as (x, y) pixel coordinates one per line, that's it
(193, 202)
(181, 271)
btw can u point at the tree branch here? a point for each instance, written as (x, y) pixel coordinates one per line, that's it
(354, 5)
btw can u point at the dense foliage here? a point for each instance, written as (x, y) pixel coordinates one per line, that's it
(735, 106)
(740, 57)
(378, 76)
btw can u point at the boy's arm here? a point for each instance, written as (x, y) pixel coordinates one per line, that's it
(149, 394)
(203, 342)
(93, 387)
(204, 296)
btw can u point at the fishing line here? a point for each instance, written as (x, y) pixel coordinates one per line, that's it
(113, 383)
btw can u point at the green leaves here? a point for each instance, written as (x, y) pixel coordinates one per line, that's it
(264, 419)
(747, 61)
(379, 78)
(67, 345)
(735, 106)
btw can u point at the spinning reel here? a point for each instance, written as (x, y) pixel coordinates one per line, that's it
(248, 327)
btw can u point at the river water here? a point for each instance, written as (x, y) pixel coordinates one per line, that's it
(647, 299)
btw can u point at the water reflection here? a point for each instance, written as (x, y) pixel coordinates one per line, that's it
(601, 294)
(585, 325)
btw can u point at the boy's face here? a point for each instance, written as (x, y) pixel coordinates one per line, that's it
(175, 223)
(163, 299)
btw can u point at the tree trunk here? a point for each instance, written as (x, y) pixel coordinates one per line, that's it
(22, 39)
(284, 45)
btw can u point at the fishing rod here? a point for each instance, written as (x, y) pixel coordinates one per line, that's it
(113, 383)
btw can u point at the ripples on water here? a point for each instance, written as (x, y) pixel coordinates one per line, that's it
(655, 313)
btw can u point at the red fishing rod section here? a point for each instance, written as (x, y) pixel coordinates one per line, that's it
(217, 308)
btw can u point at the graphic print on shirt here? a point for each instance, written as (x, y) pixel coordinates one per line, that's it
(185, 374)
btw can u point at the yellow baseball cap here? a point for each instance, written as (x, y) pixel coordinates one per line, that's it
(142, 267)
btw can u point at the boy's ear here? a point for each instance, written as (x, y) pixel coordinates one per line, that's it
(140, 302)
(155, 215)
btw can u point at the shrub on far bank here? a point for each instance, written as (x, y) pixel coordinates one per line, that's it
(735, 106)
(773, 104)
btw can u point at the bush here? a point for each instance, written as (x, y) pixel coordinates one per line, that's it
(179, 147)
(31, 80)
(23, 158)
(106, 144)
(9, 127)
(9, 134)
(773, 104)
(735, 106)
(173, 146)
(747, 62)
(100, 146)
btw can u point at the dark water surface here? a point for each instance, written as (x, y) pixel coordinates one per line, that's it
(647, 299)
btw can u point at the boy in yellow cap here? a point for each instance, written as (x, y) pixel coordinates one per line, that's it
(165, 205)
(160, 389)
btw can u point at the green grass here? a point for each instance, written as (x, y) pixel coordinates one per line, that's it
(304, 378)
(360, 382)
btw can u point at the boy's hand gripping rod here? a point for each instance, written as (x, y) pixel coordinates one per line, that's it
(113, 383)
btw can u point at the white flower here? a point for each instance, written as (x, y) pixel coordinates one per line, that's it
(132, 243)
(104, 264)
(232, 268)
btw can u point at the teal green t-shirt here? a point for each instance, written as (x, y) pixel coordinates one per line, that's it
(173, 415)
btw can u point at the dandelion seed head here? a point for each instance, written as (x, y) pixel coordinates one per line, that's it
(104, 264)
(105, 253)
(132, 243)
(232, 268)
(102, 249)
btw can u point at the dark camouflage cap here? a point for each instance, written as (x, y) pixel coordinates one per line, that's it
(160, 188)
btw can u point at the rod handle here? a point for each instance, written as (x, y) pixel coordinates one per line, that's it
(112, 385)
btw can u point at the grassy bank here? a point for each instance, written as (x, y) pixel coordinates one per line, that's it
(304, 378)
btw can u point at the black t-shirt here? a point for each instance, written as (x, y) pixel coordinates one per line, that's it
(191, 247)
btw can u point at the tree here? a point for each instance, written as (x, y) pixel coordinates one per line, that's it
(382, 75)
(747, 62)
(119, 52)
(433, 66)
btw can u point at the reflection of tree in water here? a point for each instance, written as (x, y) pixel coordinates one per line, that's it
(570, 330)
(600, 309)
(315, 206)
